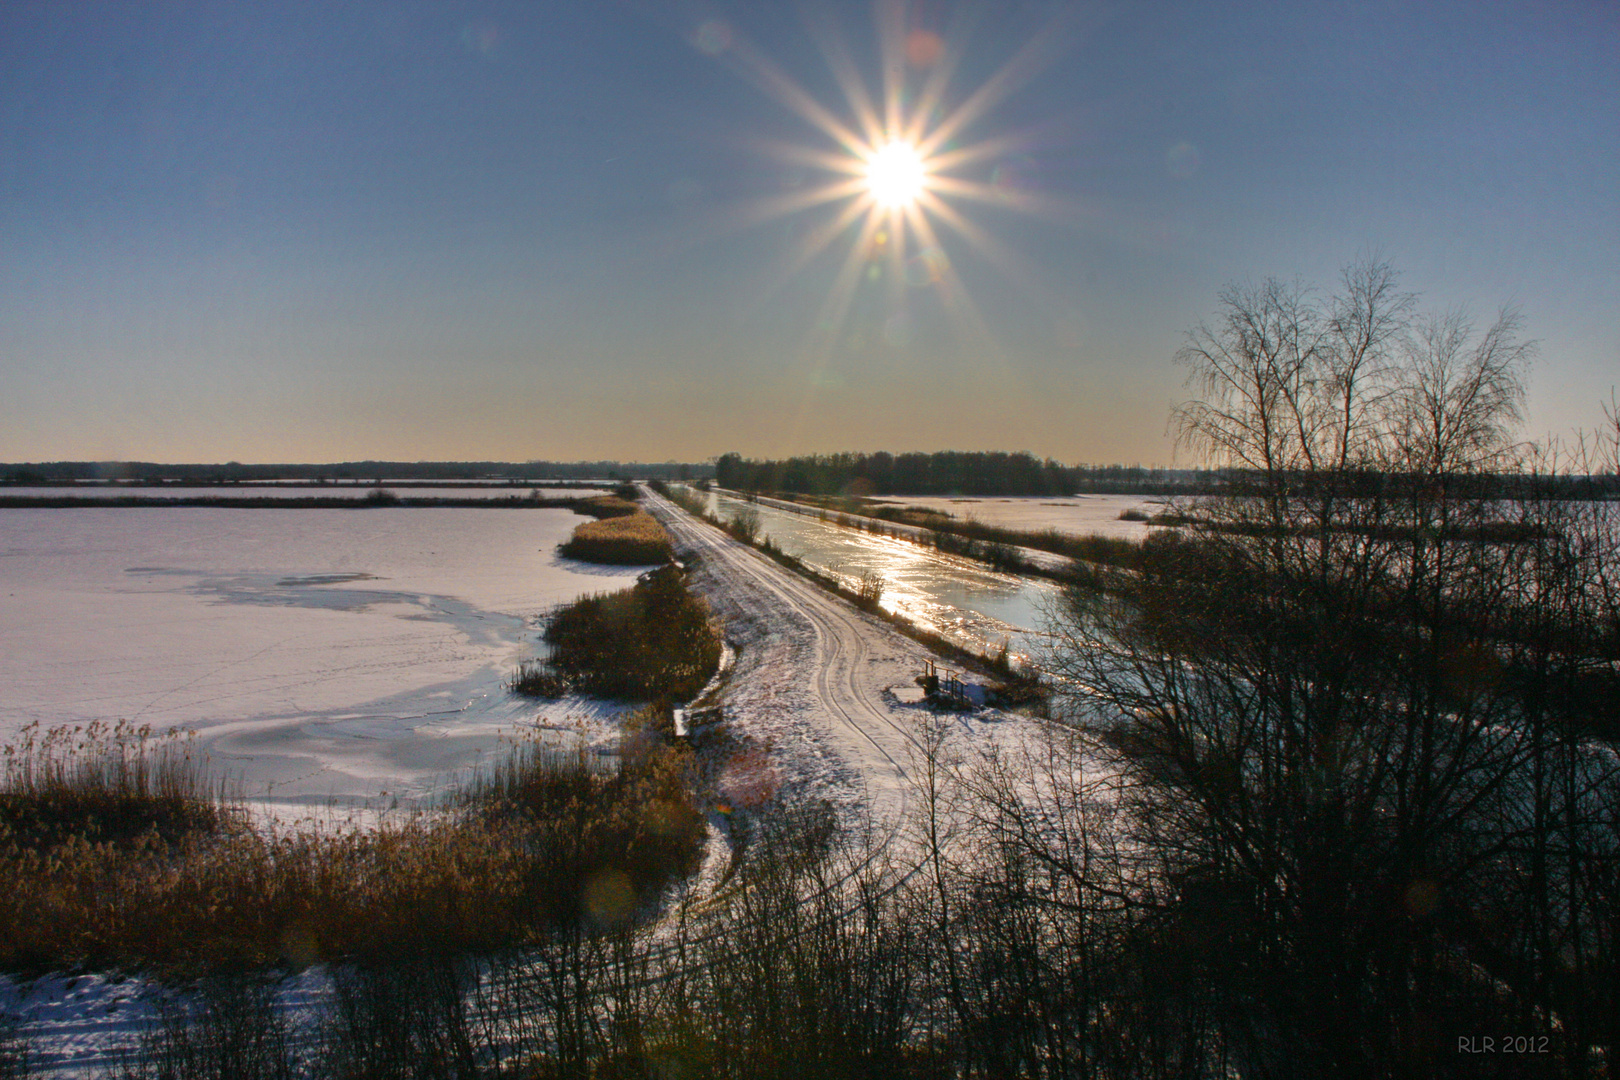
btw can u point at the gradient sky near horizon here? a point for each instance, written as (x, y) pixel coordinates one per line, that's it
(305, 231)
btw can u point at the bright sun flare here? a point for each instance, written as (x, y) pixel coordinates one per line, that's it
(896, 171)
(895, 175)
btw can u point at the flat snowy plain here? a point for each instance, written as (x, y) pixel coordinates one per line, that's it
(284, 491)
(323, 656)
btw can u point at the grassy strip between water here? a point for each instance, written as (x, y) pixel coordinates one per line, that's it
(118, 851)
(654, 640)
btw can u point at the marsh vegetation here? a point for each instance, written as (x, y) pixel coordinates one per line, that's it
(623, 534)
(119, 851)
(654, 640)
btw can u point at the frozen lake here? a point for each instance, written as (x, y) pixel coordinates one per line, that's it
(290, 491)
(322, 655)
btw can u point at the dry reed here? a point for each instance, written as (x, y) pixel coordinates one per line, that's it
(629, 540)
(522, 847)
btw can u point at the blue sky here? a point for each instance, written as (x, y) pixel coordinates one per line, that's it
(310, 231)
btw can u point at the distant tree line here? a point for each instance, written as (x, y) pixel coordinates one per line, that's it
(348, 471)
(950, 472)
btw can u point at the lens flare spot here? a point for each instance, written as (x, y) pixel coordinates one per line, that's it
(481, 38)
(1182, 160)
(712, 37)
(1014, 177)
(895, 175)
(924, 48)
(930, 266)
(609, 897)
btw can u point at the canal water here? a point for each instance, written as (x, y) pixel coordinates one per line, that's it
(963, 600)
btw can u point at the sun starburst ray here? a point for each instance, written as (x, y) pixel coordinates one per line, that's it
(847, 76)
(834, 312)
(959, 305)
(940, 73)
(814, 243)
(1029, 202)
(815, 157)
(891, 51)
(792, 202)
(765, 74)
(985, 244)
(988, 149)
(1024, 65)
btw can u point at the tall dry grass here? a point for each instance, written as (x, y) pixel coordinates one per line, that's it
(531, 842)
(104, 782)
(634, 539)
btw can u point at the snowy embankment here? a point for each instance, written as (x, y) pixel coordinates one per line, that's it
(826, 687)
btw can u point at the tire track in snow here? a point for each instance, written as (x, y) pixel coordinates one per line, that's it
(845, 680)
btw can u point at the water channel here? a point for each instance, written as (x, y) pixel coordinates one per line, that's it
(967, 602)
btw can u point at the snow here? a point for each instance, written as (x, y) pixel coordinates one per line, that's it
(822, 687)
(323, 656)
(492, 491)
(337, 653)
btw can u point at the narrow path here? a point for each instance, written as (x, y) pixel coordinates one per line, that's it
(811, 676)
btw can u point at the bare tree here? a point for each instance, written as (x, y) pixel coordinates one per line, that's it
(1329, 694)
(1461, 396)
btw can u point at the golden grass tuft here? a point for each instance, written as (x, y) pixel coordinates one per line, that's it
(634, 539)
(606, 506)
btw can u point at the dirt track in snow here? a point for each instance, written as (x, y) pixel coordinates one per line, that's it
(813, 675)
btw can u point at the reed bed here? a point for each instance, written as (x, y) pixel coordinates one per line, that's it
(525, 845)
(104, 782)
(633, 539)
(607, 506)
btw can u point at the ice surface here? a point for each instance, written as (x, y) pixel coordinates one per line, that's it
(285, 491)
(322, 655)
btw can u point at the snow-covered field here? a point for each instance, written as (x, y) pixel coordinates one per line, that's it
(1079, 514)
(322, 655)
(284, 491)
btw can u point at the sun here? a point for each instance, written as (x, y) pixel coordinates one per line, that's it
(896, 175)
(893, 166)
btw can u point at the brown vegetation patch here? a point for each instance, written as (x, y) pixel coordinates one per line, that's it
(654, 641)
(522, 849)
(633, 539)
